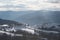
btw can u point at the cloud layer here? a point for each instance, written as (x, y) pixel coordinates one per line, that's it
(19, 5)
(53, 1)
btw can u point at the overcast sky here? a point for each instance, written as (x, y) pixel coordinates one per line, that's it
(19, 5)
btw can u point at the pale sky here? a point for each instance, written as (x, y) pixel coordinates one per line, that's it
(23, 5)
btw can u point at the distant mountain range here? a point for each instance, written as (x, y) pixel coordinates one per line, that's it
(32, 17)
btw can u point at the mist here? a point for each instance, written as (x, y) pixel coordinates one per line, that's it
(32, 17)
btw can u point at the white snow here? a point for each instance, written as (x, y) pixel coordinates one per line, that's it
(48, 31)
(4, 25)
(28, 30)
(12, 34)
(11, 29)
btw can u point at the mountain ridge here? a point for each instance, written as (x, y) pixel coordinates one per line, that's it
(9, 22)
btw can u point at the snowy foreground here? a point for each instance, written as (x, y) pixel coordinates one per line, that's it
(28, 32)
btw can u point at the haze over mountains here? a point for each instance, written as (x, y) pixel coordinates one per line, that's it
(9, 22)
(32, 17)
